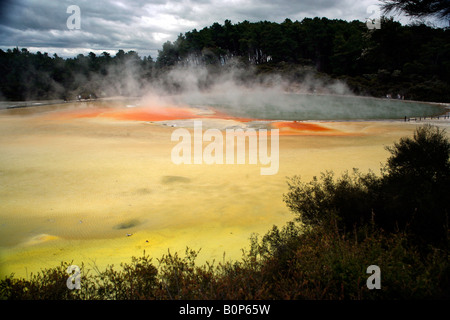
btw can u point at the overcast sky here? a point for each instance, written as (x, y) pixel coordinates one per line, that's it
(144, 25)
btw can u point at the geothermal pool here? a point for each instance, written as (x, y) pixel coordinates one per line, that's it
(291, 106)
(93, 182)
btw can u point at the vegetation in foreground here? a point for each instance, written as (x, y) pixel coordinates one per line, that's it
(398, 221)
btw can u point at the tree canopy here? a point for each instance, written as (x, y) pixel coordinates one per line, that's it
(419, 8)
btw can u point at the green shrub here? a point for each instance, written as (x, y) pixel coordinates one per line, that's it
(409, 196)
(415, 186)
(346, 201)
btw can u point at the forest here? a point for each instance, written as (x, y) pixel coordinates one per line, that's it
(408, 60)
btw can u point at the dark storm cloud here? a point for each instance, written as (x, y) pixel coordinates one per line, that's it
(142, 25)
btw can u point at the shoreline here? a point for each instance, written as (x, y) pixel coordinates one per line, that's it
(10, 105)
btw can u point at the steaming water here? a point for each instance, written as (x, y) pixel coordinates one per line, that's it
(267, 105)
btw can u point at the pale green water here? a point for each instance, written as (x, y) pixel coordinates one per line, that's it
(276, 106)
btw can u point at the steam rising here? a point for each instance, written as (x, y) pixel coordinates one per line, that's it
(241, 91)
(245, 93)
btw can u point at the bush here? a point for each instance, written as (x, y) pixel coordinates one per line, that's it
(284, 264)
(346, 201)
(415, 186)
(327, 264)
(409, 196)
(48, 284)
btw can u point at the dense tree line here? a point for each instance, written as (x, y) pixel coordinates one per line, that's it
(26, 75)
(410, 60)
